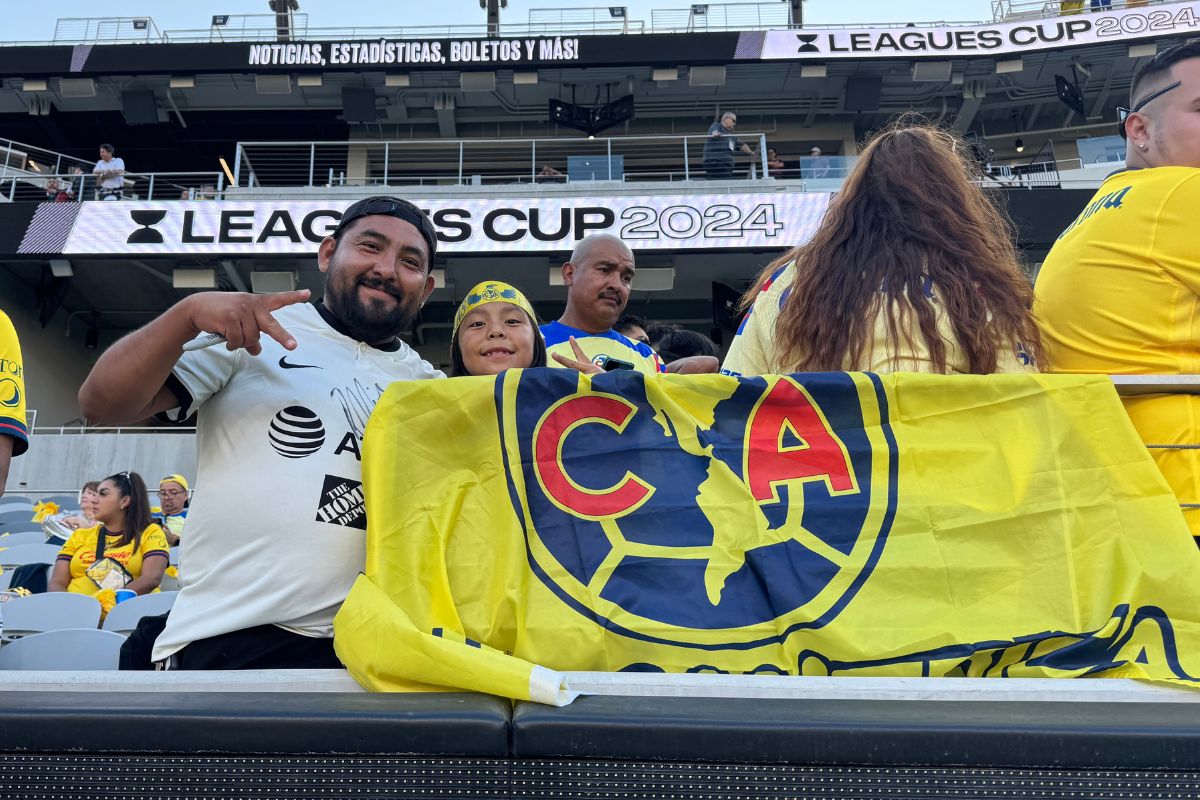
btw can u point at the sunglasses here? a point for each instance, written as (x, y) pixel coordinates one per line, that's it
(1123, 113)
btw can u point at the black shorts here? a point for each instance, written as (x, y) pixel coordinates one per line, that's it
(260, 647)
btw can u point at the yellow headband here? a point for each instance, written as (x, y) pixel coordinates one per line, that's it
(175, 479)
(492, 292)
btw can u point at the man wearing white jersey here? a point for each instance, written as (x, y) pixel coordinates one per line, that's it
(280, 422)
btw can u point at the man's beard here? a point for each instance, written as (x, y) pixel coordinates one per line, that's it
(370, 321)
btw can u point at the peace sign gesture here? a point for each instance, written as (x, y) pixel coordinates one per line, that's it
(581, 362)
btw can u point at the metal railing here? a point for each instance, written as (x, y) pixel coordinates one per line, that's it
(477, 162)
(28, 187)
(1012, 10)
(699, 17)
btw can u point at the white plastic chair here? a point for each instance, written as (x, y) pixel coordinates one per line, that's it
(125, 616)
(62, 500)
(66, 649)
(15, 516)
(28, 554)
(50, 611)
(173, 555)
(13, 539)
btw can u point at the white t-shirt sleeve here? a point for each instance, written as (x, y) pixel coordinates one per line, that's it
(198, 375)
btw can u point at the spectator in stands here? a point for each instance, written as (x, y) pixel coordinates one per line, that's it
(818, 165)
(699, 353)
(550, 175)
(634, 327)
(282, 408)
(774, 162)
(57, 192)
(207, 192)
(64, 523)
(1120, 290)
(598, 276)
(720, 147)
(14, 437)
(77, 184)
(125, 550)
(496, 329)
(912, 269)
(173, 502)
(110, 174)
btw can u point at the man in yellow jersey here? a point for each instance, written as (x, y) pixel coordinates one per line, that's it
(1119, 292)
(598, 277)
(14, 437)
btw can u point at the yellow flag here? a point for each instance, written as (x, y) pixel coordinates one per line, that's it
(820, 524)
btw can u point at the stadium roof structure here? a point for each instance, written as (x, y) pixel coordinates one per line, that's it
(175, 96)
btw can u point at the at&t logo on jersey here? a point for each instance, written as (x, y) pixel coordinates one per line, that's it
(731, 534)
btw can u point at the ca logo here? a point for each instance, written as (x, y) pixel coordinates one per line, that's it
(729, 534)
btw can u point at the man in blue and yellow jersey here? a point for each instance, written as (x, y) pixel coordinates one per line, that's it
(1120, 291)
(598, 277)
(14, 436)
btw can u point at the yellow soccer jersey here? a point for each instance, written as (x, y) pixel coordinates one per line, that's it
(1119, 293)
(753, 350)
(599, 347)
(12, 387)
(80, 553)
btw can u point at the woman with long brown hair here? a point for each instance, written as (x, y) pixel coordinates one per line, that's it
(912, 269)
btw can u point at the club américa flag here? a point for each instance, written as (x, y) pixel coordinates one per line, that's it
(541, 522)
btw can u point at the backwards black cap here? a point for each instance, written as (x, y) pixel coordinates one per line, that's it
(391, 207)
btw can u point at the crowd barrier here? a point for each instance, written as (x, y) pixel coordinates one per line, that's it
(72, 739)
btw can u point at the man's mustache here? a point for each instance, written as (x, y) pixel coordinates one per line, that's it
(382, 286)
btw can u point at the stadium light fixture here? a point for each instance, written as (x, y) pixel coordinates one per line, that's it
(61, 268)
(34, 85)
(525, 78)
(1012, 65)
(141, 24)
(665, 74)
(1143, 50)
(814, 71)
(617, 12)
(310, 81)
(397, 81)
(194, 278)
(699, 9)
(1020, 145)
(220, 20)
(183, 82)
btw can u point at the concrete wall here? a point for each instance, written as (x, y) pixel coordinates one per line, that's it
(55, 364)
(57, 463)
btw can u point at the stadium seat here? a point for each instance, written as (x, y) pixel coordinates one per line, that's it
(51, 611)
(16, 515)
(63, 500)
(66, 649)
(5, 579)
(124, 616)
(172, 554)
(15, 538)
(22, 527)
(28, 554)
(15, 504)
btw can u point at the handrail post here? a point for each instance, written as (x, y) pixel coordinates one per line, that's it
(460, 162)
(608, 141)
(686, 172)
(220, 185)
(312, 160)
(386, 155)
(150, 188)
(762, 152)
(533, 160)
(237, 166)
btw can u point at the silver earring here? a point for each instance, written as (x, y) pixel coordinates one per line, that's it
(1142, 145)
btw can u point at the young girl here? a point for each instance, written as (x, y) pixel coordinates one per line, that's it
(124, 550)
(496, 329)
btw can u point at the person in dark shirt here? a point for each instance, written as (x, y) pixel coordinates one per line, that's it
(720, 147)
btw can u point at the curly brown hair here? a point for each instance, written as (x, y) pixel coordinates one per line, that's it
(908, 217)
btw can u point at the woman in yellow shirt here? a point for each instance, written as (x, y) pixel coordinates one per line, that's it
(123, 551)
(913, 269)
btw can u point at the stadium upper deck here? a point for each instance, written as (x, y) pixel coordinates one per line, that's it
(457, 118)
(177, 100)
